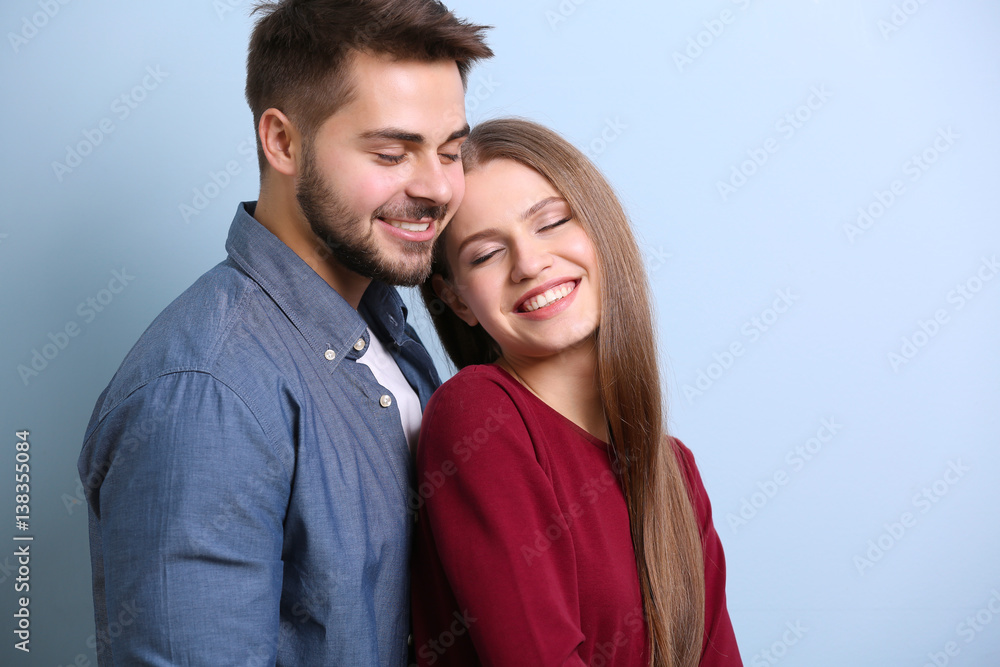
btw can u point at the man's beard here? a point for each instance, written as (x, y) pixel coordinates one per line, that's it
(352, 241)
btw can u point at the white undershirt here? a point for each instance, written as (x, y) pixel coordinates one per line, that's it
(387, 373)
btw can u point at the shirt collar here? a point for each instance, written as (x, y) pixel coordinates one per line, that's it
(327, 322)
(383, 308)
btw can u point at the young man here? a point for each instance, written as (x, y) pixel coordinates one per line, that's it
(247, 467)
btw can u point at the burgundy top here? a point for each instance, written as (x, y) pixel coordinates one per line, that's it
(522, 553)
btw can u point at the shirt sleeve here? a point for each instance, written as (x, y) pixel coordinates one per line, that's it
(719, 647)
(187, 499)
(488, 521)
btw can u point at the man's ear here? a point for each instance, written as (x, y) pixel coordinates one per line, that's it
(447, 293)
(281, 141)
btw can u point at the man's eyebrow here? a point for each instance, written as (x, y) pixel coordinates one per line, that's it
(397, 134)
(459, 134)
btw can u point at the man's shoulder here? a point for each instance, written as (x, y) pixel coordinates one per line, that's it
(198, 332)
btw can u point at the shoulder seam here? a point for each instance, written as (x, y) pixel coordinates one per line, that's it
(269, 432)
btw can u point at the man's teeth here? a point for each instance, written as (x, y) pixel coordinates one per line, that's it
(409, 226)
(548, 297)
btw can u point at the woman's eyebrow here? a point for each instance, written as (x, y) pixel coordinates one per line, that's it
(478, 236)
(539, 206)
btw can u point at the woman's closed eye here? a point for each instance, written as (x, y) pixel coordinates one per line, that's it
(484, 256)
(553, 225)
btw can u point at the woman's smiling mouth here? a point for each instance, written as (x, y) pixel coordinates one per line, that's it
(550, 296)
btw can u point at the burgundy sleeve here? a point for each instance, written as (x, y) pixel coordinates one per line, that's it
(494, 499)
(719, 647)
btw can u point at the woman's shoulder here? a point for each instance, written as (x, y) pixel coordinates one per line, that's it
(685, 456)
(474, 386)
(471, 393)
(696, 487)
(478, 407)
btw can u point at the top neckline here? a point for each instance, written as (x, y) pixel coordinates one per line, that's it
(584, 433)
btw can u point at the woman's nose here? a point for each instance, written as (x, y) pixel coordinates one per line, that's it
(530, 259)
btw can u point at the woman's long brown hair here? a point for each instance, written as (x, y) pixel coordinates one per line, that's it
(665, 535)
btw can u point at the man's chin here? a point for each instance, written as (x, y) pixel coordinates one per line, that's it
(413, 271)
(402, 277)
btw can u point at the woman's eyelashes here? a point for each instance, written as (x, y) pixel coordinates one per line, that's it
(487, 254)
(483, 257)
(553, 225)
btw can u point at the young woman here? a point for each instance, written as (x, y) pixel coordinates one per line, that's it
(557, 523)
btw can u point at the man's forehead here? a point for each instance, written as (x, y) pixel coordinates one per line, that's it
(425, 100)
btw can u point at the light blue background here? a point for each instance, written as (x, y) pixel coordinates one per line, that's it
(606, 75)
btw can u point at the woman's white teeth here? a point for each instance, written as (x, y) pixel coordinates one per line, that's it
(410, 226)
(548, 297)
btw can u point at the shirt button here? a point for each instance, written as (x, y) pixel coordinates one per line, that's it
(385, 401)
(330, 355)
(360, 345)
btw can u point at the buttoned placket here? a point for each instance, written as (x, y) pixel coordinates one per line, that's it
(384, 400)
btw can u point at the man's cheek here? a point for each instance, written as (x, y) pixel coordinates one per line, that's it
(457, 189)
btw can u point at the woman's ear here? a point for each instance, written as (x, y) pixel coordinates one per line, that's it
(446, 293)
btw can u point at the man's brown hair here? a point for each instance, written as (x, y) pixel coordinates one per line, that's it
(300, 51)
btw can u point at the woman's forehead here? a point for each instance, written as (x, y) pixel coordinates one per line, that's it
(503, 191)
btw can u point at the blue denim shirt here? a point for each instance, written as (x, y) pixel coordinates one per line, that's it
(247, 479)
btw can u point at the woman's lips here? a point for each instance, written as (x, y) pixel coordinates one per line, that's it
(548, 300)
(548, 297)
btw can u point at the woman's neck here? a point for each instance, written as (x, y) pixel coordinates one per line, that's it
(566, 382)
